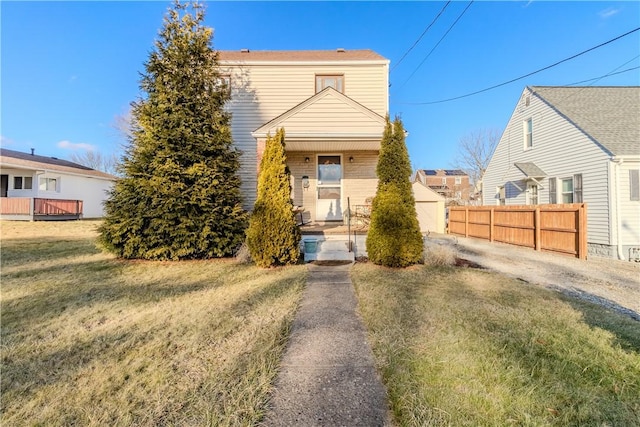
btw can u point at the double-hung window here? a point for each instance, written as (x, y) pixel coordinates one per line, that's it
(528, 134)
(570, 189)
(324, 81)
(22, 183)
(48, 184)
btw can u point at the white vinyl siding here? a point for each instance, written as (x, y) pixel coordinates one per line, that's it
(261, 93)
(561, 151)
(629, 209)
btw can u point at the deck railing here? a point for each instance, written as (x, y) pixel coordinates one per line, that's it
(38, 206)
(15, 206)
(57, 207)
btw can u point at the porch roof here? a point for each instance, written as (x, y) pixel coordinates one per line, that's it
(329, 120)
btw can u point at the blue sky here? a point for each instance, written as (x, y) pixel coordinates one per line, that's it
(69, 68)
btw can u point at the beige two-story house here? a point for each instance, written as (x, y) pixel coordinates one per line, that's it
(332, 105)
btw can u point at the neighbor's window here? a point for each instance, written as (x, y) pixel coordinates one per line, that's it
(22, 182)
(567, 190)
(48, 184)
(634, 185)
(458, 180)
(444, 181)
(334, 81)
(528, 134)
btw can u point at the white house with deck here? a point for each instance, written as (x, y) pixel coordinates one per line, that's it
(575, 145)
(45, 188)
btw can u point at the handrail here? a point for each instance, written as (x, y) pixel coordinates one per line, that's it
(349, 222)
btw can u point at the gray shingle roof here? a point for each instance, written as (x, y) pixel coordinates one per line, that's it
(608, 114)
(34, 161)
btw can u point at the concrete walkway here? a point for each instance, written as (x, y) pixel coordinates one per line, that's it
(328, 376)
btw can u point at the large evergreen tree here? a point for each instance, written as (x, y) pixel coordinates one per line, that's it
(394, 238)
(273, 237)
(179, 196)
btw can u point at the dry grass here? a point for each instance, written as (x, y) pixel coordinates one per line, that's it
(91, 340)
(439, 255)
(468, 347)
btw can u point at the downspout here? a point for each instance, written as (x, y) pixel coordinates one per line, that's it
(617, 162)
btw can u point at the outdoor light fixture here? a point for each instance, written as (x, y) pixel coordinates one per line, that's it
(351, 159)
(305, 181)
(306, 160)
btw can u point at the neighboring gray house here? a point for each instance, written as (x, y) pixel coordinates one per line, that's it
(573, 145)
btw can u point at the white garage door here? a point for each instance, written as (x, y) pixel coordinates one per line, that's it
(428, 216)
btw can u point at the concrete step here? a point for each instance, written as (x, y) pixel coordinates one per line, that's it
(316, 249)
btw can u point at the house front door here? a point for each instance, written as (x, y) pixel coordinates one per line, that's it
(329, 197)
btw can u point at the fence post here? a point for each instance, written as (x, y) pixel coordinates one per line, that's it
(466, 221)
(536, 228)
(491, 211)
(582, 231)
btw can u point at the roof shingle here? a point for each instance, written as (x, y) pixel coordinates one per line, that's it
(34, 161)
(608, 114)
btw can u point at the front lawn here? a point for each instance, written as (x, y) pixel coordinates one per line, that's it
(459, 346)
(91, 340)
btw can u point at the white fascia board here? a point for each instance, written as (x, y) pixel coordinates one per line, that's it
(327, 135)
(257, 63)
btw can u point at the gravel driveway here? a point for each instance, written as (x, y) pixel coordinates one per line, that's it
(612, 283)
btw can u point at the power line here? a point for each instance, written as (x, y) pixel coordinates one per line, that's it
(524, 76)
(439, 41)
(421, 36)
(611, 73)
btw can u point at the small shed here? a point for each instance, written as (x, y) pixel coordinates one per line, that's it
(430, 207)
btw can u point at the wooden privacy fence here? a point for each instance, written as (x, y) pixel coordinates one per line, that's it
(553, 228)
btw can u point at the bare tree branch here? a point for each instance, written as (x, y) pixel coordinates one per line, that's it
(96, 160)
(475, 151)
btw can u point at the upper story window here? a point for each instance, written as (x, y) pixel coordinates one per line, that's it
(22, 183)
(458, 180)
(444, 181)
(48, 184)
(324, 81)
(528, 134)
(224, 81)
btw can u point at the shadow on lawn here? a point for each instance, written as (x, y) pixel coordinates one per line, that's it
(107, 284)
(65, 360)
(26, 250)
(602, 313)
